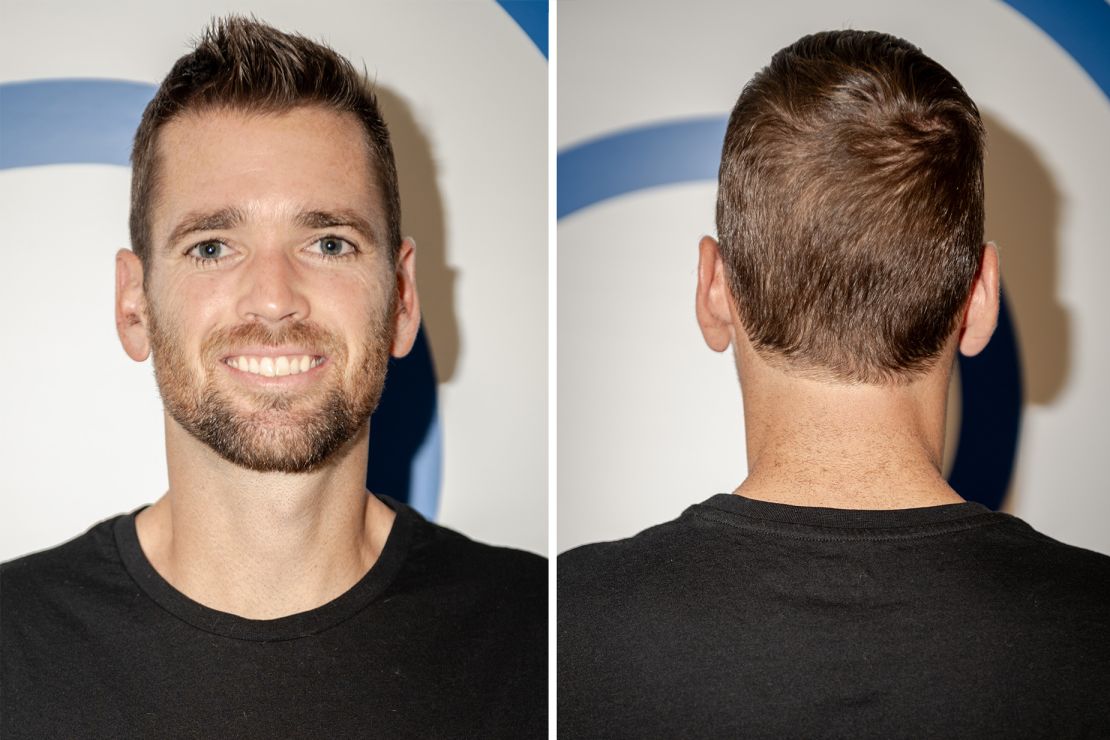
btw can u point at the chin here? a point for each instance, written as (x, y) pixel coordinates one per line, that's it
(278, 440)
(280, 449)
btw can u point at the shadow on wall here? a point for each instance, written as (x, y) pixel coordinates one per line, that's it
(408, 407)
(422, 218)
(1022, 207)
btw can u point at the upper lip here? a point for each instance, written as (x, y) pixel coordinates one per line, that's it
(259, 351)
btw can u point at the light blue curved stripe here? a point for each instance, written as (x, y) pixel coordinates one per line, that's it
(427, 471)
(649, 156)
(1080, 27)
(70, 121)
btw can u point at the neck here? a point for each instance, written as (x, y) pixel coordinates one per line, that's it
(262, 545)
(814, 443)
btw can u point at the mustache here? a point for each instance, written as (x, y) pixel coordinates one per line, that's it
(306, 334)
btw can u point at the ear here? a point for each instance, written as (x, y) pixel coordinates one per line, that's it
(407, 318)
(981, 316)
(131, 306)
(713, 303)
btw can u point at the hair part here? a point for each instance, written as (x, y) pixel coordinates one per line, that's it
(241, 64)
(850, 207)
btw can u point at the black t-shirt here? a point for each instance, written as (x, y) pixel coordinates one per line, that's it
(443, 637)
(750, 619)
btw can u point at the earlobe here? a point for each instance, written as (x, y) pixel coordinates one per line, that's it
(131, 319)
(712, 304)
(407, 315)
(981, 316)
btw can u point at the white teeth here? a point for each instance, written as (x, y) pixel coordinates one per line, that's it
(274, 366)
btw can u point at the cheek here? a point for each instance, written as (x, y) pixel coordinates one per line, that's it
(354, 301)
(358, 310)
(190, 310)
(204, 303)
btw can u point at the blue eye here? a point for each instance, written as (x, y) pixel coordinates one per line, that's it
(333, 246)
(208, 251)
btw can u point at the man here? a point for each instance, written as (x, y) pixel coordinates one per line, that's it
(844, 589)
(267, 593)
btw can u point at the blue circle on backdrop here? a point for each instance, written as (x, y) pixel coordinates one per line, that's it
(686, 151)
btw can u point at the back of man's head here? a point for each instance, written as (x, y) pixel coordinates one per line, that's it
(850, 208)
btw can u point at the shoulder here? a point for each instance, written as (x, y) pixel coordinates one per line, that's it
(604, 587)
(50, 596)
(75, 564)
(486, 607)
(661, 548)
(1072, 576)
(473, 574)
(466, 558)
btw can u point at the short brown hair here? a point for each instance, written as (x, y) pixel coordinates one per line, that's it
(242, 64)
(850, 207)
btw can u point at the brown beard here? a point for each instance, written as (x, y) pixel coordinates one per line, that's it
(282, 432)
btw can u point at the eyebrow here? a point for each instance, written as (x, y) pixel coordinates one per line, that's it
(229, 218)
(344, 217)
(224, 218)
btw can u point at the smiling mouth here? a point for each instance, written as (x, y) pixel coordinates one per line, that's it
(274, 366)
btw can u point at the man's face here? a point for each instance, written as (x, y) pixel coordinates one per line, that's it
(270, 293)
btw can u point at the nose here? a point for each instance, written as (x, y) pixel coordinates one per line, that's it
(272, 292)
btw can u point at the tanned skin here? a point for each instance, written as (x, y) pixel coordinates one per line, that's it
(266, 544)
(821, 443)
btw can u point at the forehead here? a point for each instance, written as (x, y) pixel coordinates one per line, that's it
(266, 164)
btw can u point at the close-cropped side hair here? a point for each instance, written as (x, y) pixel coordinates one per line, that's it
(244, 65)
(850, 207)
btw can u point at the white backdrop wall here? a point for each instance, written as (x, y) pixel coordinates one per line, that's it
(649, 418)
(465, 91)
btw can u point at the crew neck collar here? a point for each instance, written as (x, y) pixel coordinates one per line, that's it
(910, 521)
(291, 627)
